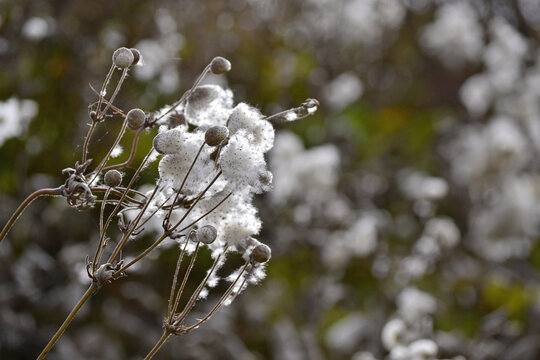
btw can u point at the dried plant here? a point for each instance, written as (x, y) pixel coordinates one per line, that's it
(212, 163)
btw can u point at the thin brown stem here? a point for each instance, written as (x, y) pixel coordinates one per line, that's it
(33, 196)
(103, 88)
(124, 239)
(186, 95)
(124, 194)
(131, 155)
(184, 280)
(116, 90)
(167, 233)
(206, 213)
(119, 192)
(184, 182)
(101, 232)
(175, 278)
(158, 345)
(66, 322)
(115, 144)
(195, 295)
(87, 141)
(221, 300)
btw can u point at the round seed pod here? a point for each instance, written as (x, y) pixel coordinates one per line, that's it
(261, 253)
(123, 57)
(136, 56)
(220, 65)
(135, 118)
(215, 135)
(113, 178)
(207, 234)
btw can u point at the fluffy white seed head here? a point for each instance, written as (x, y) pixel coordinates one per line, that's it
(220, 65)
(135, 118)
(113, 178)
(241, 162)
(169, 142)
(238, 224)
(123, 57)
(251, 120)
(203, 95)
(209, 105)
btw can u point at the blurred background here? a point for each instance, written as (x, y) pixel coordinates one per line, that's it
(404, 221)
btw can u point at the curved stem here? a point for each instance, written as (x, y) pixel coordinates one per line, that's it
(66, 323)
(160, 343)
(131, 154)
(33, 196)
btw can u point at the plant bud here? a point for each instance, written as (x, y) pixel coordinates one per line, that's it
(135, 118)
(261, 253)
(123, 58)
(215, 135)
(113, 178)
(136, 56)
(220, 65)
(207, 234)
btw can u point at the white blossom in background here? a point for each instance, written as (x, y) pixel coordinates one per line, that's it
(408, 335)
(417, 185)
(350, 21)
(509, 224)
(309, 175)
(455, 37)
(15, 115)
(358, 240)
(161, 55)
(36, 28)
(346, 333)
(342, 91)
(481, 152)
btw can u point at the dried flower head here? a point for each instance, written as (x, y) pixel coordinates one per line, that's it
(207, 234)
(113, 178)
(135, 118)
(261, 253)
(216, 135)
(123, 57)
(220, 65)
